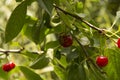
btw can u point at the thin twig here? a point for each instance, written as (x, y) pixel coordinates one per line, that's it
(11, 51)
(81, 19)
(86, 53)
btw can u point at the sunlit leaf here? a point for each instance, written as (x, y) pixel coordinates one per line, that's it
(30, 74)
(52, 44)
(79, 7)
(40, 63)
(60, 72)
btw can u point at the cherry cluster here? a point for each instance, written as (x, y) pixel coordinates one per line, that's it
(8, 66)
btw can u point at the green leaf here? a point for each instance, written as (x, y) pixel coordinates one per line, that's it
(4, 74)
(46, 5)
(60, 72)
(16, 22)
(29, 74)
(35, 32)
(113, 6)
(66, 19)
(47, 20)
(29, 2)
(57, 54)
(113, 66)
(52, 44)
(76, 72)
(79, 7)
(31, 55)
(102, 44)
(30, 28)
(74, 53)
(40, 63)
(43, 33)
(94, 74)
(63, 61)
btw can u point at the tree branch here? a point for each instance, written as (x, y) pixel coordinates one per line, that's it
(81, 19)
(11, 51)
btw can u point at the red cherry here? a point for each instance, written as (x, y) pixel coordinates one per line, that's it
(8, 66)
(12, 65)
(101, 61)
(66, 40)
(118, 43)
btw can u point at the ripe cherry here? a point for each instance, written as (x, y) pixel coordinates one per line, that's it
(101, 61)
(12, 65)
(8, 66)
(118, 43)
(65, 40)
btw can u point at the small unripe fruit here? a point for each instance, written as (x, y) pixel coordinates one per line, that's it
(101, 61)
(65, 40)
(8, 66)
(118, 43)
